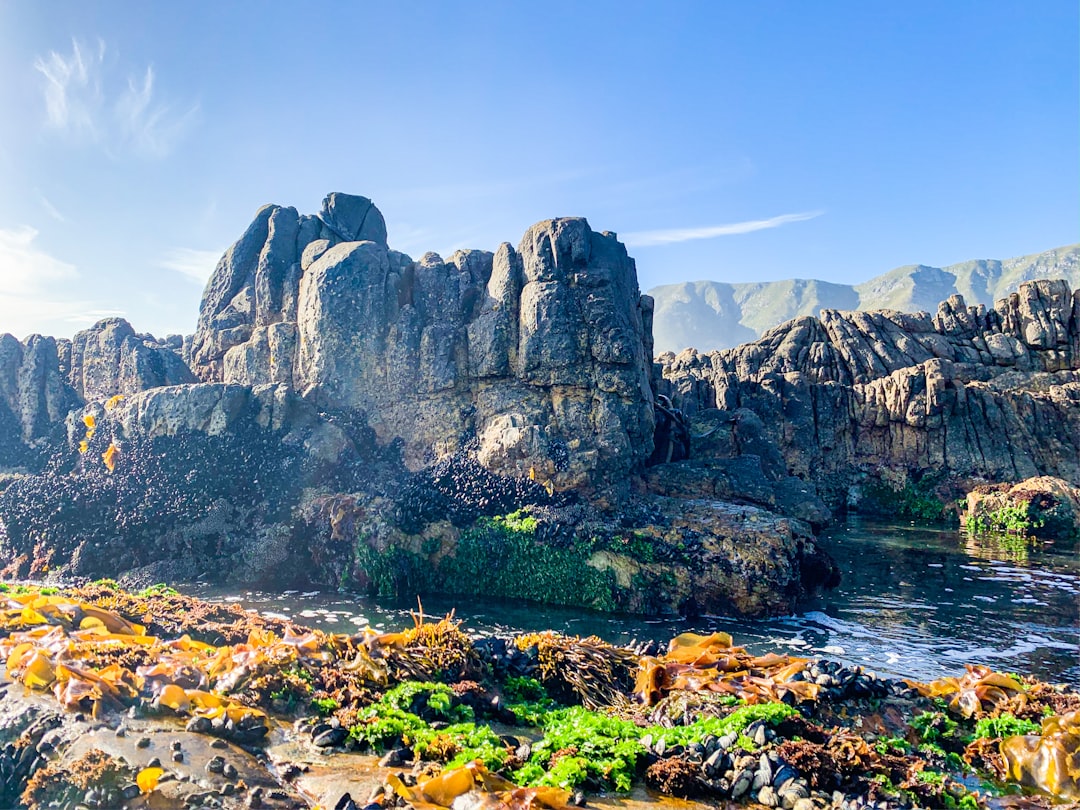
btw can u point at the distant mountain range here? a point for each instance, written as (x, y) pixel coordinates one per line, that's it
(716, 315)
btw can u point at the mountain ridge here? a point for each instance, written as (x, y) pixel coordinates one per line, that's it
(708, 315)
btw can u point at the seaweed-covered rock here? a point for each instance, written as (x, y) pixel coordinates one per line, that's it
(389, 418)
(1044, 507)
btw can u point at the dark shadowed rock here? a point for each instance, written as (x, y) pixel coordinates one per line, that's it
(353, 218)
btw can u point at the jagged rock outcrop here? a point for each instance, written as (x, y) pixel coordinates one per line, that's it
(43, 379)
(969, 393)
(714, 315)
(537, 359)
(34, 398)
(110, 358)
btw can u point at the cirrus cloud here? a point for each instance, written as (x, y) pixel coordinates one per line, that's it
(674, 235)
(88, 98)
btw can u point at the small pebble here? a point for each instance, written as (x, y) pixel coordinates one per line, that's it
(178, 756)
(121, 731)
(229, 771)
(143, 742)
(155, 762)
(215, 765)
(176, 745)
(219, 744)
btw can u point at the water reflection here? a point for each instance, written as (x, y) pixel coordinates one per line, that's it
(916, 602)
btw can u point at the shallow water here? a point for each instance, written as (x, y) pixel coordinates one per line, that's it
(915, 601)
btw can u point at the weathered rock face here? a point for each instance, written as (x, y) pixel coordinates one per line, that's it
(34, 398)
(42, 379)
(111, 359)
(537, 359)
(970, 393)
(367, 420)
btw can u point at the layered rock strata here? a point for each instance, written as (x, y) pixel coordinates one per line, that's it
(969, 393)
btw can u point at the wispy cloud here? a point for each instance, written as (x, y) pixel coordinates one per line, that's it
(673, 235)
(87, 98)
(73, 87)
(195, 265)
(51, 209)
(36, 285)
(26, 267)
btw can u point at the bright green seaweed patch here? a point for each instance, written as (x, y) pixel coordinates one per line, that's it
(1005, 725)
(460, 743)
(577, 745)
(587, 744)
(395, 716)
(607, 748)
(1008, 518)
(502, 556)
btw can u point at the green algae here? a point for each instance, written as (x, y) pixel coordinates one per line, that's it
(915, 500)
(498, 556)
(1012, 519)
(1005, 725)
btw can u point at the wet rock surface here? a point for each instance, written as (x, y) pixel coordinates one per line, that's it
(390, 718)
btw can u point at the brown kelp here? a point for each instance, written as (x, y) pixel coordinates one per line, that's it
(705, 719)
(712, 664)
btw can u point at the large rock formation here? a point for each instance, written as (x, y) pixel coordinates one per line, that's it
(537, 357)
(471, 425)
(970, 393)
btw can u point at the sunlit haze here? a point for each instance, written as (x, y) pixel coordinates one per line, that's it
(726, 141)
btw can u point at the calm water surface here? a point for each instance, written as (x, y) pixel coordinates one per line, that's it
(915, 601)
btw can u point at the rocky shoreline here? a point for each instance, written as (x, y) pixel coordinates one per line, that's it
(345, 415)
(154, 699)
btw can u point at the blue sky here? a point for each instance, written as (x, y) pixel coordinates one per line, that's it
(735, 141)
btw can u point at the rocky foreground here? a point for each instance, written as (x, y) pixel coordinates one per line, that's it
(156, 700)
